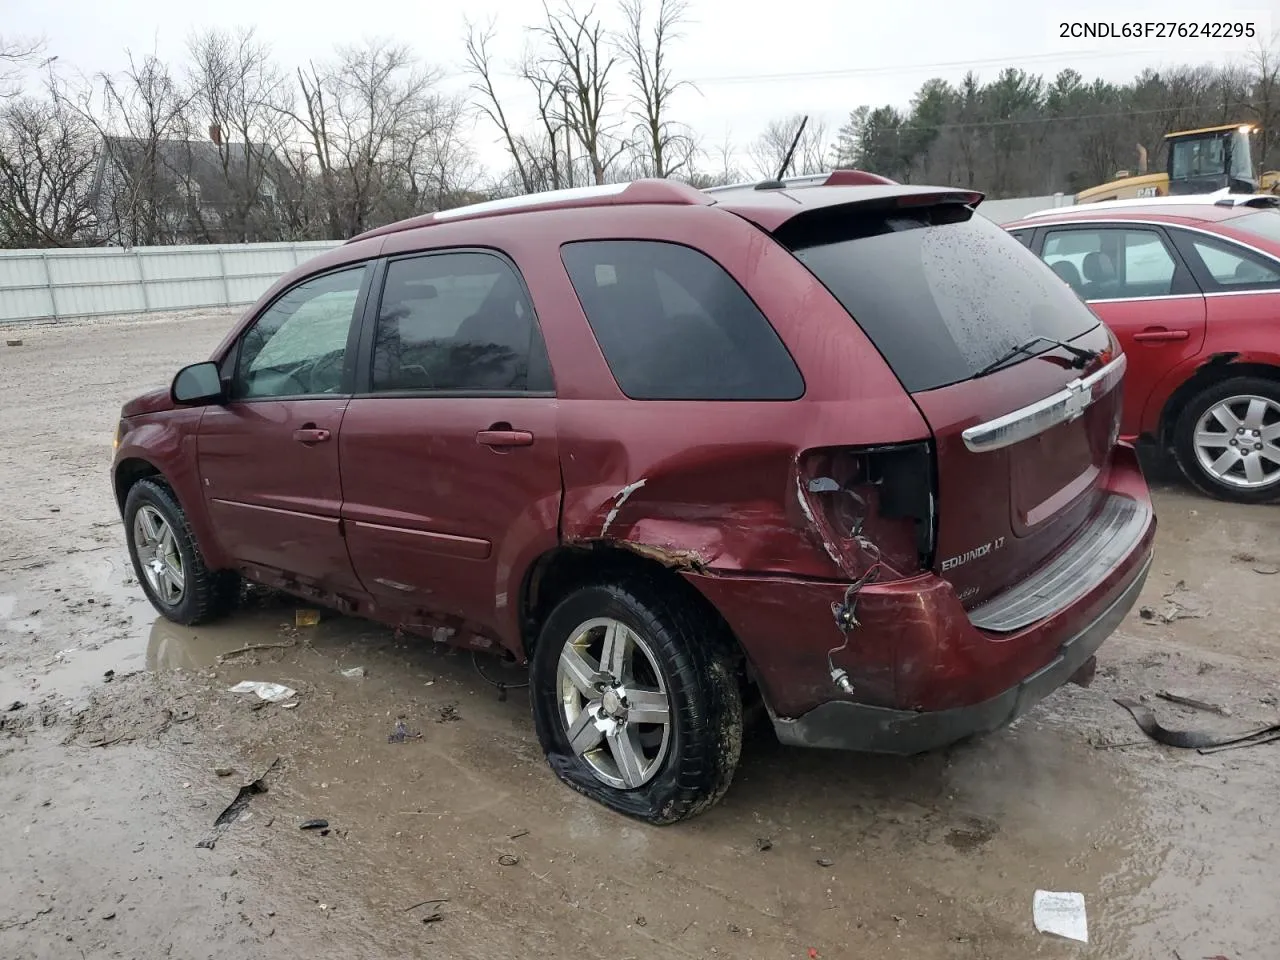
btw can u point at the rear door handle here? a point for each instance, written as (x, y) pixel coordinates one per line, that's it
(311, 435)
(504, 438)
(1161, 333)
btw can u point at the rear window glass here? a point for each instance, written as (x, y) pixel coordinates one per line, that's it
(672, 325)
(1264, 223)
(941, 293)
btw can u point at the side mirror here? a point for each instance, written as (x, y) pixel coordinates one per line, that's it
(198, 384)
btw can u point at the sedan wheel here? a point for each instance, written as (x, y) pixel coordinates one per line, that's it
(1238, 441)
(1227, 440)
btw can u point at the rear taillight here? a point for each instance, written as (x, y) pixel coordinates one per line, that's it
(872, 505)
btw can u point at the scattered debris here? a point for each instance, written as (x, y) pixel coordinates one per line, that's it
(236, 807)
(1194, 703)
(1173, 609)
(1267, 569)
(108, 676)
(508, 860)
(402, 733)
(13, 343)
(448, 713)
(317, 824)
(435, 913)
(355, 673)
(223, 771)
(641, 922)
(824, 862)
(306, 618)
(1060, 914)
(253, 647)
(16, 706)
(271, 692)
(763, 844)
(111, 915)
(1199, 740)
(517, 836)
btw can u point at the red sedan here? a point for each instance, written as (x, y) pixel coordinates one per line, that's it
(1191, 288)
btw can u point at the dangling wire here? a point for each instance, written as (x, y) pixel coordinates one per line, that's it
(502, 685)
(846, 614)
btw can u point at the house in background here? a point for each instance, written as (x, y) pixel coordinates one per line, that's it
(166, 191)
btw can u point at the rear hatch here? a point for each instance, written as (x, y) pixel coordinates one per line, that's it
(1022, 439)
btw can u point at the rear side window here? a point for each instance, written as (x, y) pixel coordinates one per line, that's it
(457, 322)
(673, 325)
(1263, 223)
(1231, 267)
(940, 292)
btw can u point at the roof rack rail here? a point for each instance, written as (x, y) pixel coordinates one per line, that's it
(631, 192)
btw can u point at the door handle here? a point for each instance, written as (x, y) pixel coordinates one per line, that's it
(504, 438)
(1161, 333)
(311, 435)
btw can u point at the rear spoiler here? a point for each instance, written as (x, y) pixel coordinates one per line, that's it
(844, 178)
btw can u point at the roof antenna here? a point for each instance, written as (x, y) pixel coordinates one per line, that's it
(790, 153)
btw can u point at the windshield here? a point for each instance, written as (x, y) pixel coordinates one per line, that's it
(942, 294)
(1205, 157)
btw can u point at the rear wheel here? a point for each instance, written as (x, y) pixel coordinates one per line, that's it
(167, 559)
(635, 701)
(1227, 440)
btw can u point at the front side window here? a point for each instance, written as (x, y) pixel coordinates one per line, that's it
(457, 322)
(298, 346)
(1111, 263)
(673, 325)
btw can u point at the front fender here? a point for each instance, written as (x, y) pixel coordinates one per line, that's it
(166, 442)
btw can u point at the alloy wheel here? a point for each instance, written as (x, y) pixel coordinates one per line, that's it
(1237, 441)
(158, 554)
(614, 703)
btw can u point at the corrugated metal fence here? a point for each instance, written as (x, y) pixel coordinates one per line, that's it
(105, 281)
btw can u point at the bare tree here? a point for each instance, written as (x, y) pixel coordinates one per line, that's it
(47, 157)
(770, 148)
(15, 54)
(141, 115)
(667, 148)
(245, 98)
(371, 117)
(479, 65)
(580, 54)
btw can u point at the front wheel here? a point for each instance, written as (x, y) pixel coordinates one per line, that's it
(636, 702)
(1227, 440)
(167, 559)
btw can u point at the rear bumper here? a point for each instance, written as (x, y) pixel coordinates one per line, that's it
(925, 671)
(845, 725)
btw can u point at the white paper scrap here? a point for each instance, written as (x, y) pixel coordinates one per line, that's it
(1061, 914)
(274, 692)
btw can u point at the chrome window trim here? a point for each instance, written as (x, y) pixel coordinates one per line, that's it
(1064, 406)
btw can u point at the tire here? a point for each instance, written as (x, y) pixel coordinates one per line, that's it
(185, 591)
(685, 766)
(1238, 400)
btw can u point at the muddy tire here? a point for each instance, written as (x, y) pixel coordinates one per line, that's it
(1226, 440)
(636, 702)
(167, 559)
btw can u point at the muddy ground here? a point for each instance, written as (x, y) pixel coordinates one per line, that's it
(108, 782)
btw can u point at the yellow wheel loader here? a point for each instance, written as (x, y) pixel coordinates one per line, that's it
(1199, 161)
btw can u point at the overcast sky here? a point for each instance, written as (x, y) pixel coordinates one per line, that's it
(753, 61)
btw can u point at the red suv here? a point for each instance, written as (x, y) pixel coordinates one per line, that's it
(1191, 287)
(846, 449)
